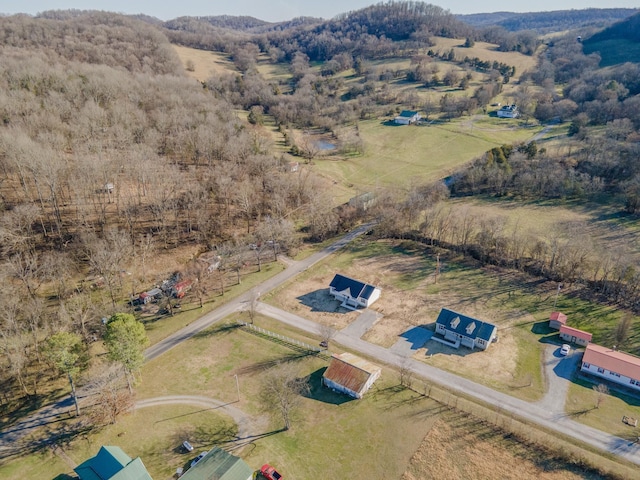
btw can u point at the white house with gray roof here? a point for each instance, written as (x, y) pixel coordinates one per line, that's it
(458, 329)
(353, 293)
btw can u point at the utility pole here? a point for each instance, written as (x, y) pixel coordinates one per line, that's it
(557, 293)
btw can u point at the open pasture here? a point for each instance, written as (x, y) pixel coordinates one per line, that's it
(399, 156)
(486, 52)
(411, 298)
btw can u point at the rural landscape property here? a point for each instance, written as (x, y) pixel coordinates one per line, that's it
(397, 243)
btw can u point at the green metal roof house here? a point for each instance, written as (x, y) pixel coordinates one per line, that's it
(111, 463)
(219, 465)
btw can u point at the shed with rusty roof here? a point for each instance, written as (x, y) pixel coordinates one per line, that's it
(350, 374)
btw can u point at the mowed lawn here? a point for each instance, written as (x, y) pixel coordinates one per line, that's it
(391, 430)
(330, 433)
(403, 155)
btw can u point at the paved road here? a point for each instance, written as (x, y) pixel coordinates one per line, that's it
(13, 437)
(241, 302)
(549, 413)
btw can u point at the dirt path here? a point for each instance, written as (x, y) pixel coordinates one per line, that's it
(248, 427)
(14, 439)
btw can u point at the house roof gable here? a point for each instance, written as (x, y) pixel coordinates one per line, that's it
(482, 330)
(111, 463)
(408, 113)
(612, 360)
(558, 317)
(356, 288)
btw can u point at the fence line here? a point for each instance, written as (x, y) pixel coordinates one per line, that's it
(278, 336)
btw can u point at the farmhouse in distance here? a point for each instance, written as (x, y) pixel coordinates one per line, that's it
(407, 117)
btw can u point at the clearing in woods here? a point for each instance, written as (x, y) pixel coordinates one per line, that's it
(205, 63)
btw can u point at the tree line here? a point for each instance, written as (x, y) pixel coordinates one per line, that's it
(108, 154)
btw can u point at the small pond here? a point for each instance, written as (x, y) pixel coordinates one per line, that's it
(325, 145)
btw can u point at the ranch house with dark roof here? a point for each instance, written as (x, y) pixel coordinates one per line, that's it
(353, 293)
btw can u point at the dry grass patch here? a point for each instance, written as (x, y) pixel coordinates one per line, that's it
(205, 63)
(485, 51)
(459, 446)
(410, 298)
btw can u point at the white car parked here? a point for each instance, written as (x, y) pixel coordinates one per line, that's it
(565, 349)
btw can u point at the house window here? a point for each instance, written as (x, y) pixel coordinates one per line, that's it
(586, 365)
(617, 375)
(600, 370)
(632, 381)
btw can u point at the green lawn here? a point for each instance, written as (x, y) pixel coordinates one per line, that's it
(44, 465)
(403, 155)
(330, 433)
(581, 407)
(327, 422)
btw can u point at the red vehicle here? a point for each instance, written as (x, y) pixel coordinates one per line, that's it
(270, 473)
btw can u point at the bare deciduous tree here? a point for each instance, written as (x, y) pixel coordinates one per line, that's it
(405, 372)
(113, 398)
(601, 392)
(327, 332)
(282, 391)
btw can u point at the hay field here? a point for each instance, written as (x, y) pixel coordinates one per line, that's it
(205, 63)
(485, 51)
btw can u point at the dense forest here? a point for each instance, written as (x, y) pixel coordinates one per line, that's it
(110, 152)
(549, 22)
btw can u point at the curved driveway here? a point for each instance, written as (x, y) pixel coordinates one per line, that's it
(13, 438)
(549, 412)
(245, 423)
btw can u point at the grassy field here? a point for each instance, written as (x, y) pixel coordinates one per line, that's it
(399, 156)
(485, 51)
(206, 365)
(392, 430)
(154, 434)
(581, 406)
(205, 63)
(404, 271)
